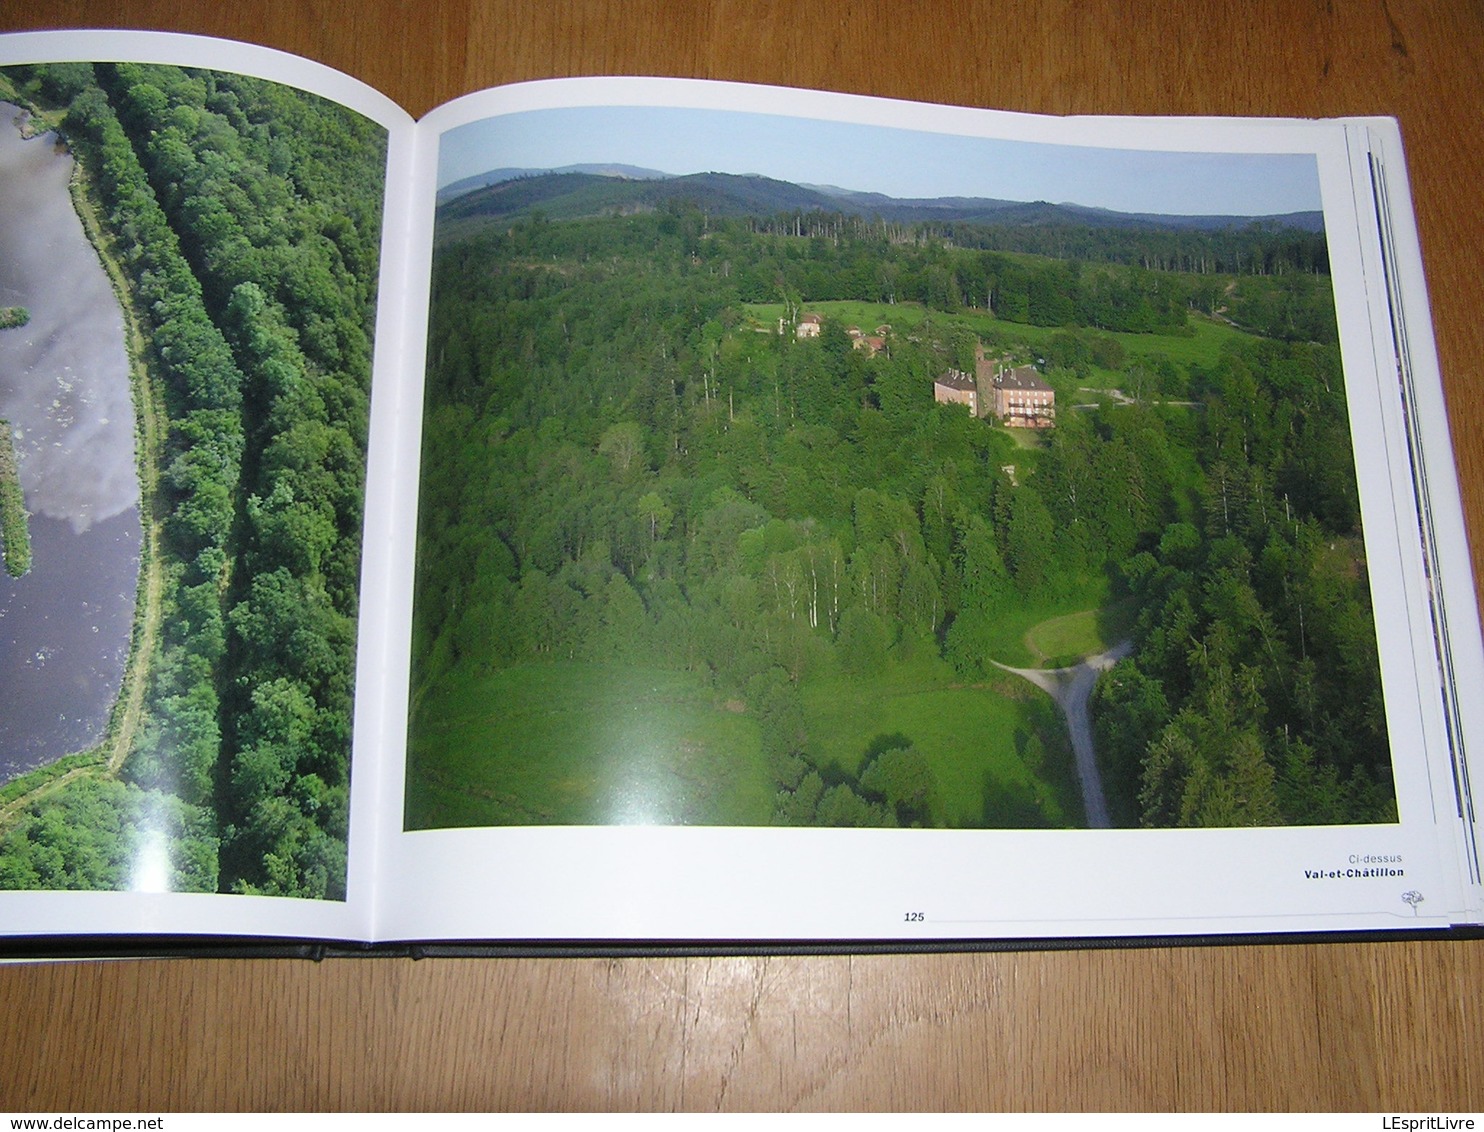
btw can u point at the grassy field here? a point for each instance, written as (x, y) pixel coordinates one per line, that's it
(1072, 634)
(1087, 598)
(996, 749)
(1066, 639)
(1203, 346)
(587, 744)
(584, 744)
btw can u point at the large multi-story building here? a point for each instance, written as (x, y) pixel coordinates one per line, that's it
(957, 388)
(1017, 395)
(1022, 399)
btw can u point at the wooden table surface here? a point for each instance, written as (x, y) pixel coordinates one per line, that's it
(1378, 1026)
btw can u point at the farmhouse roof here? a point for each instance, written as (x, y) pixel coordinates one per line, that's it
(956, 379)
(1021, 377)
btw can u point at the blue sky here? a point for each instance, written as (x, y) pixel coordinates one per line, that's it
(899, 163)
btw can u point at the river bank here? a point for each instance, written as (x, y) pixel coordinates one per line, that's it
(69, 626)
(15, 530)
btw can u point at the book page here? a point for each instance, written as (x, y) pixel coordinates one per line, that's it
(847, 519)
(192, 248)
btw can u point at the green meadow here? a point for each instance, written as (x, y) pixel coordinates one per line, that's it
(593, 744)
(1202, 346)
(996, 748)
(584, 744)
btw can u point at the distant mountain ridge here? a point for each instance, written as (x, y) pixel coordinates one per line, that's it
(593, 190)
(495, 176)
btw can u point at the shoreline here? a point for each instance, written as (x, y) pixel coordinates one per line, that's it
(15, 527)
(107, 756)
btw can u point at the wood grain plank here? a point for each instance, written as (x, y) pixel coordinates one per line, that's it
(1302, 1027)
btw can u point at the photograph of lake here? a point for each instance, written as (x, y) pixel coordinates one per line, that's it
(64, 395)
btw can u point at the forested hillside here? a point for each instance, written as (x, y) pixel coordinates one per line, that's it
(1205, 244)
(772, 577)
(245, 217)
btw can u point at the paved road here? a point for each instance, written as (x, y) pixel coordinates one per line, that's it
(1071, 688)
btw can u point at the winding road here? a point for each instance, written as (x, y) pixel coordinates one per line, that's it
(1071, 688)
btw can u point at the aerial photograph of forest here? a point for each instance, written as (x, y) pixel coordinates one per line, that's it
(221, 309)
(794, 473)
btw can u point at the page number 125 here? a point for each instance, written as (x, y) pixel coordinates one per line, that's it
(914, 917)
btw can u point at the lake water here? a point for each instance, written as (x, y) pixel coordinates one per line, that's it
(64, 388)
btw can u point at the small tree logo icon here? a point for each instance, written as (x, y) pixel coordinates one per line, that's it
(1414, 898)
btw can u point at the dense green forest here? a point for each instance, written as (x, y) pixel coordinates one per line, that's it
(1199, 245)
(245, 217)
(676, 565)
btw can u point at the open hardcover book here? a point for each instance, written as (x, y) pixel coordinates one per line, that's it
(641, 512)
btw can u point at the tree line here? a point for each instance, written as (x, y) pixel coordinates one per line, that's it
(1258, 247)
(1253, 696)
(1114, 280)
